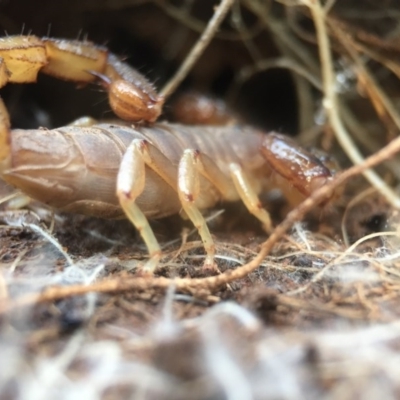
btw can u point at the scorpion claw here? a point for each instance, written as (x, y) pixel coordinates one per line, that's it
(296, 171)
(131, 103)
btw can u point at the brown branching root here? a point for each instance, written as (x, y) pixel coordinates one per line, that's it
(309, 312)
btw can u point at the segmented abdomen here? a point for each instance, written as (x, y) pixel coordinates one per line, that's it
(75, 168)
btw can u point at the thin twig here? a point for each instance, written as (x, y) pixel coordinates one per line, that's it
(198, 48)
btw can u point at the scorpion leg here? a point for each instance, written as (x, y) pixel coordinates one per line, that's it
(248, 194)
(130, 184)
(194, 164)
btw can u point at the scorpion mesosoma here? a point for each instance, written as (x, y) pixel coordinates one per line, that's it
(141, 169)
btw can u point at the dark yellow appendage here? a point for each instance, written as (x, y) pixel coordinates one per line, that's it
(5, 139)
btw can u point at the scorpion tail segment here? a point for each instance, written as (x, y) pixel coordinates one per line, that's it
(293, 166)
(21, 59)
(72, 60)
(5, 138)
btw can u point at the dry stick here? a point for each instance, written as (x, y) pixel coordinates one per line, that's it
(199, 47)
(118, 285)
(331, 103)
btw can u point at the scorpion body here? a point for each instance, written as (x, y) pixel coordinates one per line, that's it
(141, 170)
(75, 168)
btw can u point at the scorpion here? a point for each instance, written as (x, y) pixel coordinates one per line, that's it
(141, 169)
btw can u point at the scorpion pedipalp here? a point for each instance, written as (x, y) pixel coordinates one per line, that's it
(294, 167)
